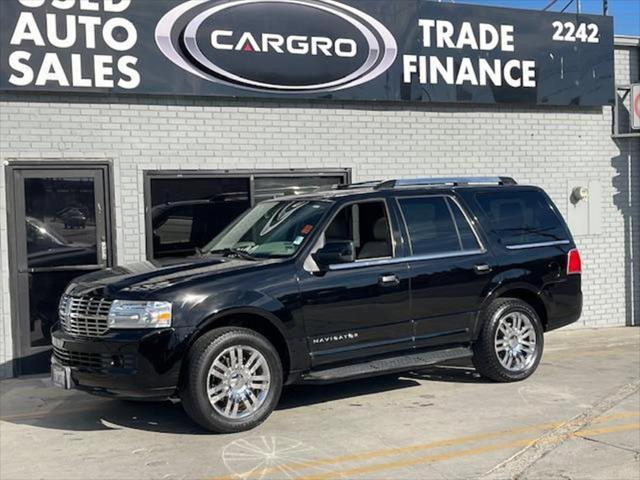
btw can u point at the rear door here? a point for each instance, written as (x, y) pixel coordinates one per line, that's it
(449, 269)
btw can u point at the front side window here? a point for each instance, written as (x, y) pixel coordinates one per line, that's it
(271, 229)
(436, 225)
(366, 225)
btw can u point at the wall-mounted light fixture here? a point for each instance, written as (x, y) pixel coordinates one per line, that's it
(579, 193)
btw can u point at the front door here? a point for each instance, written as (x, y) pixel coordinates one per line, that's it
(358, 309)
(60, 231)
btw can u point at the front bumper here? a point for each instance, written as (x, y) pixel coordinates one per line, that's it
(127, 364)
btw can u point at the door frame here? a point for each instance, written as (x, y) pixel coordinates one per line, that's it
(18, 335)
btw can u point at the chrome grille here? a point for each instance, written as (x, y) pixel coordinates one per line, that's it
(84, 316)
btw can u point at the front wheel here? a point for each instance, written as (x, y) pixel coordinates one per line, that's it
(232, 381)
(511, 342)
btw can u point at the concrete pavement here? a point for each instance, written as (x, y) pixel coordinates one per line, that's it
(576, 418)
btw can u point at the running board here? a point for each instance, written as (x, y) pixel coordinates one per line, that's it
(385, 365)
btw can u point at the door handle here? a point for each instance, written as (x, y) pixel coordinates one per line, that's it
(388, 280)
(103, 253)
(482, 268)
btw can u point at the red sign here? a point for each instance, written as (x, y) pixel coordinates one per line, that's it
(635, 106)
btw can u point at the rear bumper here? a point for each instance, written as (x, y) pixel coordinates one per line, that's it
(125, 364)
(569, 315)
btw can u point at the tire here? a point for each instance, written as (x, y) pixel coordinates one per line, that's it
(504, 352)
(231, 385)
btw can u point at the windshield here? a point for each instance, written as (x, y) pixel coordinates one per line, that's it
(270, 229)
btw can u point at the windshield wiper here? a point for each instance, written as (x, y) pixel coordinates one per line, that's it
(227, 252)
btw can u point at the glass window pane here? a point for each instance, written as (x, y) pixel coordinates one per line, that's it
(467, 237)
(522, 216)
(271, 229)
(431, 228)
(366, 225)
(186, 213)
(267, 188)
(177, 227)
(60, 222)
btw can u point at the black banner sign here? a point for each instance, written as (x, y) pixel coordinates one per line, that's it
(400, 50)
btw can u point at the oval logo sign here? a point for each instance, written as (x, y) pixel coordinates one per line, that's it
(278, 46)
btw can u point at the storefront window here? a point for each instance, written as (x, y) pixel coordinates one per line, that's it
(267, 188)
(186, 213)
(188, 210)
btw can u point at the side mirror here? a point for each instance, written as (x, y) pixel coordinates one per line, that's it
(334, 253)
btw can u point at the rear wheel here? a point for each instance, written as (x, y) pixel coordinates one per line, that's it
(511, 342)
(232, 381)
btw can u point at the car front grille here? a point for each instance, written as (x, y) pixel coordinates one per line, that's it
(84, 316)
(69, 358)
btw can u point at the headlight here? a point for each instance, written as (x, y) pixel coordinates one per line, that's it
(130, 314)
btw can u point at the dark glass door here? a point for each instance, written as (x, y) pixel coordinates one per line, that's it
(61, 233)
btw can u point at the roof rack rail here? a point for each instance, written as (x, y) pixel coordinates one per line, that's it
(369, 183)
(454, 181)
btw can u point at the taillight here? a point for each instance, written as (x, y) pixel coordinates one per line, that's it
(574, 262)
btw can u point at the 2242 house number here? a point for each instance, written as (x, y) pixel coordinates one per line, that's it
(570, 32)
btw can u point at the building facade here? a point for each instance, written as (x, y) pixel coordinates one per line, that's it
(138, 140)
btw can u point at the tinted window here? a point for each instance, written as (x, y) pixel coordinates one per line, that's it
(467, 237)
(60, 222)
(521, 216)
(267, 188)
(176, 227)
(430, 225)
(186, 213)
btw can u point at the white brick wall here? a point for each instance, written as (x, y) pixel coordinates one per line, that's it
(545, 146)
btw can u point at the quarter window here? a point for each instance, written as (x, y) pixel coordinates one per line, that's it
(436, 225)
(521, 217)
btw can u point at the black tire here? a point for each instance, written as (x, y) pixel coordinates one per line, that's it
(485, 356)
(193, 385)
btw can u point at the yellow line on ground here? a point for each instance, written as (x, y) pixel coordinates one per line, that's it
(457, 454)
(387, 452)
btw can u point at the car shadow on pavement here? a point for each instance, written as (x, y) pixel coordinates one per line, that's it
(296, 396)
(86, 413)
(82, 412)
(449, 373)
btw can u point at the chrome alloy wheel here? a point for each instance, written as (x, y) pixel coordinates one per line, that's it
(515, 342)
(238, 381)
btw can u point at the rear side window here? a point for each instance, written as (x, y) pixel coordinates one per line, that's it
(436, 225)
(521, 216)
(467, 237)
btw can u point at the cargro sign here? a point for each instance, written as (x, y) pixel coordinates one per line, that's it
(399, 50)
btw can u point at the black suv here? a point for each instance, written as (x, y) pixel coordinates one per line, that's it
(357, 281)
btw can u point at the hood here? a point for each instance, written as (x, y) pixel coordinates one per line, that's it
(150, 277)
